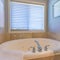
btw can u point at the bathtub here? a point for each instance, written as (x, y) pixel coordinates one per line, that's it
(24, 45)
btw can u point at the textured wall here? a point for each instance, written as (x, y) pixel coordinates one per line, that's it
(1, 35)
(53, 23)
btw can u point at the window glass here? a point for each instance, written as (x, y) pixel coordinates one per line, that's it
(26, 16)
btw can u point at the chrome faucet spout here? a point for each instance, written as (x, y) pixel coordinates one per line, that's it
(38, 46)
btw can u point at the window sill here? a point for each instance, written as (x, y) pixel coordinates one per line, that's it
(36, 31)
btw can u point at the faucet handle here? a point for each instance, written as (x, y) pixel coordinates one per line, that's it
(33, 49)
(46, 47)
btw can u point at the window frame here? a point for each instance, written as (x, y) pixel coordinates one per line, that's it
(27, 31)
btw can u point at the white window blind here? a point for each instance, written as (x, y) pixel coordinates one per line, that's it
(26, 16)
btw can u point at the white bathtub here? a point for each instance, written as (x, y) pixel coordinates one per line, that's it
(25, 44)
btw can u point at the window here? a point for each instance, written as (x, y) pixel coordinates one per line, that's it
(57, 9)
(25, 16)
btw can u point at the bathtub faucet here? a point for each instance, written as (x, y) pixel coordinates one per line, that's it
(38, 46)
(46, 47)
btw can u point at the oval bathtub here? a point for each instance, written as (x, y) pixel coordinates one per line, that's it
(25, 44)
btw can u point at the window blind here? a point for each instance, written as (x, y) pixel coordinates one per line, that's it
(26, 16)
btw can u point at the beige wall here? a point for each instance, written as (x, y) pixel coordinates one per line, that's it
(53, 35)
(1, 35)
(27, 35)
